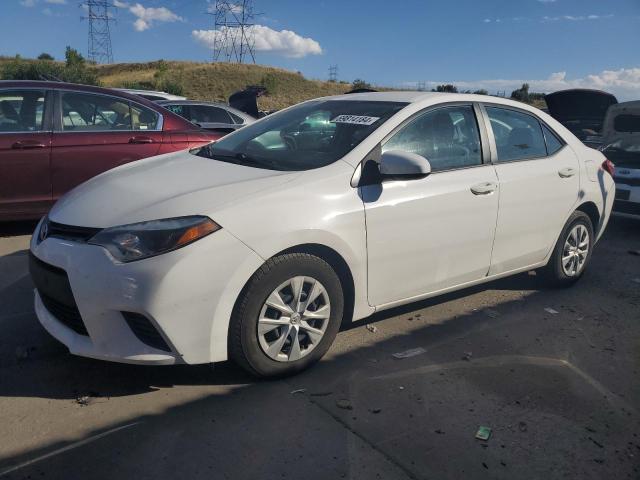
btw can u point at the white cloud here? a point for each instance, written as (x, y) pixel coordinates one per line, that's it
(547, 1)
(576, 18)
(624, 83)
(56, 2)
(283, 42)
(148, 16)
(28, 3)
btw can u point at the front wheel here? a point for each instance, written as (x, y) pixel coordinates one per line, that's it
(287, 316)
(572, 252)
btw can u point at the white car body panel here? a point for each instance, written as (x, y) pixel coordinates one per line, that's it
(419, 238)
(404, 242)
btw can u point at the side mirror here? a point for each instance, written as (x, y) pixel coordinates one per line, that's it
(401, 165)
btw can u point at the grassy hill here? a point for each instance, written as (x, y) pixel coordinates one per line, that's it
(210, 81)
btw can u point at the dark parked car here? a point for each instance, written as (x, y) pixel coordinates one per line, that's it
(211, 116)
(54, 136)
(582, 111)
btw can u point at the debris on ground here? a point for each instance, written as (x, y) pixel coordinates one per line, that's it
(439, 432)
(551, 311)
(375, 410)
(491, 313)
(522, 426)
(467, 356)
(400, 387)
(320, 394)
(83, 400)
(300, 390)
(635, 252)
(636, 280)
(409, 353)
(483, 433)
(372, 328)
(344, 404)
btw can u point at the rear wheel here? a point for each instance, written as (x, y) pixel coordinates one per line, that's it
(287, 317)
(572, 252)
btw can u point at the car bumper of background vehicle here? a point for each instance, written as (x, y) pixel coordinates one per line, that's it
(181, 300)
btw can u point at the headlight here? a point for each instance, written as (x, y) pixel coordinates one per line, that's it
(146, 239)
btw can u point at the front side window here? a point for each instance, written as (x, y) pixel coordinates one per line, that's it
(21, 110)
(84, 112)
(310, 135)
(518, 135)
(208, 114)
(447, 137)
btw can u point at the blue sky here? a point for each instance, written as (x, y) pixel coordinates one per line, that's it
(494, 44)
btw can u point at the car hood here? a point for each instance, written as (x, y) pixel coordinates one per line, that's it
(173, 185)
(585, 105)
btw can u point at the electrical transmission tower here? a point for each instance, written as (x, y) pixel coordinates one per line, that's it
(233, 36)
(99, 16)
(422, 86)
(333, 73)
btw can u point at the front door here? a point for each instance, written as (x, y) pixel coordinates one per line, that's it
(97, 133)
(539, 186)
(430, 234)
(25, 148)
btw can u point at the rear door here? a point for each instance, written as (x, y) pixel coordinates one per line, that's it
(25, 148)
(539, 185)
(95, 133)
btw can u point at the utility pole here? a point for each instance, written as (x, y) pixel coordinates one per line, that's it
(333, 73)
(99, 16)
(234, 37)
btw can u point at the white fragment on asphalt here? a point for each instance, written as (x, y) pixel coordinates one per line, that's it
(551, 311)
(409, 353)
(372, 328)
(300, 390)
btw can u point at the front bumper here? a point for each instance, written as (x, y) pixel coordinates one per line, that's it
(186, 295)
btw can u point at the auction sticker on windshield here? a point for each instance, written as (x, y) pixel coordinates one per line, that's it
(355, 119)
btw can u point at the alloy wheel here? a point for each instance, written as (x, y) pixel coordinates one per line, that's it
(575, 251)
(293, 319)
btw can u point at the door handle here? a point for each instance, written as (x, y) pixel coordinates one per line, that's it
(484, 188)
(27, 144)
(141, 140)
(567, 172)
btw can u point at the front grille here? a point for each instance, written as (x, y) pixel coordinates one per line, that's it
(71, 232)
(144, 330)
(65, 314)
(631, 208)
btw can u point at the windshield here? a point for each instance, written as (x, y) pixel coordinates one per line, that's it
(310, 135)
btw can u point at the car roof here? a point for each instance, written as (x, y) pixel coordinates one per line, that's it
(76, 87)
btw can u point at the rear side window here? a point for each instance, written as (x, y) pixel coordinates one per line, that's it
(627, 123)
(236, 118)
(518, 135)
(143, 118)
(552, 141)
(21, 110)
(84, 112)
(207, 114)
(447, 137)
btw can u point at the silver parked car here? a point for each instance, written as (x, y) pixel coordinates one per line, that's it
(209, 115)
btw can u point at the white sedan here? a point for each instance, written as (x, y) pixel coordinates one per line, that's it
(256, 247)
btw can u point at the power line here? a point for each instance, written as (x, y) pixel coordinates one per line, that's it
(99, 42)
(234, 33)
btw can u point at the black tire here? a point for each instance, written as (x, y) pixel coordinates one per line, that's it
(553, 273)
(244, 346)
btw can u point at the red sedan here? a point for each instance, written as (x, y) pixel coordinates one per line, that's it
(54, 136)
